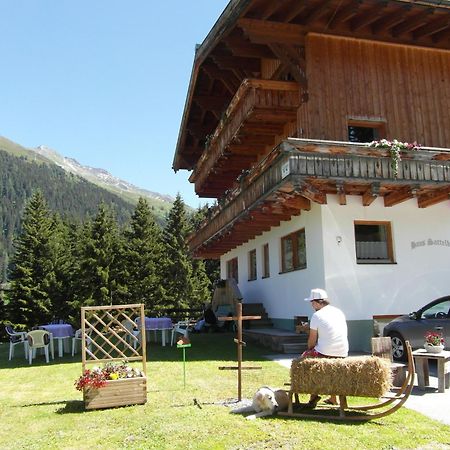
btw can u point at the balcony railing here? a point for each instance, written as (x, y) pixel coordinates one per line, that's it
(297, 164)
(259, 111)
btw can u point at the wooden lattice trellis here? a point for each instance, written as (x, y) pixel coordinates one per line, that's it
(114, 333)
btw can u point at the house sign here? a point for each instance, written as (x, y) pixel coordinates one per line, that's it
(429, 242)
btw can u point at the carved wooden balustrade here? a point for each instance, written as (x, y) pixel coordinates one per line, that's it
(299, 171)
(257, 114)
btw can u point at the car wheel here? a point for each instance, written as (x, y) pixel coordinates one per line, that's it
(398, 347)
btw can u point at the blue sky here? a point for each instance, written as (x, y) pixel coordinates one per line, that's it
(103, 81)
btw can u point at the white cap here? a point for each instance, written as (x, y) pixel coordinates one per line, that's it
(317, 294)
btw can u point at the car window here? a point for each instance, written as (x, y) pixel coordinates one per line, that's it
(438, 311)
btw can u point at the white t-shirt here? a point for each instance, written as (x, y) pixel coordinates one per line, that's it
(331, 327)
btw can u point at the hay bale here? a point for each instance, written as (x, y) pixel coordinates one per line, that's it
(363, 376)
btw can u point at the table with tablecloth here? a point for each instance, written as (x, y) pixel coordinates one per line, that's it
(63, 333)
(155, 324)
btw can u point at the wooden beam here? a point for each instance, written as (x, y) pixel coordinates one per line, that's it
(225, 77)
(413, 23)
(294, 65)
(212, 102)
(371, 194)
(233, 62)
(340, 190)
(384, 24)
(433, 27)
(432, 198)
(342, 15)
(265, 32)
(398, 196)
(269, 10)
(240, 46)
(314, 196)
(316, 12)
(199, 130)
(368, 17)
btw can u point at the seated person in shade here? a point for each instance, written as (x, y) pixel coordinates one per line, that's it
(327, 335)
(208, 320)
(210, 317)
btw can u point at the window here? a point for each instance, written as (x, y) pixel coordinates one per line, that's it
(293, 251)
(266, 264)
(437, 311)
(232, 269)
(365, 131)
(373, 242)
(252, 265)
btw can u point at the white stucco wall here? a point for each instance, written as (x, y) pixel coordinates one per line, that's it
(420, 274)
(282, 294)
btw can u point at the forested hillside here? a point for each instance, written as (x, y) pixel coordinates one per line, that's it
(72, 197)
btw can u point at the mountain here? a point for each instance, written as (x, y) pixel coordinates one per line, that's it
(159, 203)
(101, 177)
(71, 196)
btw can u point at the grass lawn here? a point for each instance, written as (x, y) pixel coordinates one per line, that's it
(40, 408)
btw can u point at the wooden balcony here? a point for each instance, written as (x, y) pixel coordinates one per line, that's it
(257, 114)
(301, 171)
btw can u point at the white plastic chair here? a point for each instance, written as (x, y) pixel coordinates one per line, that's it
(78, 337)
(16, 338)
(181, 327)
(38, 339)
(132, 340)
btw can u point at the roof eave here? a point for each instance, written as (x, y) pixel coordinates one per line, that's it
(224, 24)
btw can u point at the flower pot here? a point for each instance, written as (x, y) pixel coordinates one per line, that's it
(434, 348)
(121, 392)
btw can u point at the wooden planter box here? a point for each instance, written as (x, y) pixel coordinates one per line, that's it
(122, 392)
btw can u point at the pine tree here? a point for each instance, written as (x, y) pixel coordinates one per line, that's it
(32, 267)
(63, 255)
(143, 254)
(98, 279)
(211, 266)
(187, 284)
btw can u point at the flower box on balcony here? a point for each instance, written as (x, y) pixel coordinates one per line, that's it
(121, 392)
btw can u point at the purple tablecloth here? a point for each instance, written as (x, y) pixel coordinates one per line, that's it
(59, 330)
(157, 323)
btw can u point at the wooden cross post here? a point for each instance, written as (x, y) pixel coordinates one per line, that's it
(239, 318)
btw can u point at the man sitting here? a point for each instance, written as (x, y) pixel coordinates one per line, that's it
(327, 335)
(208, 321)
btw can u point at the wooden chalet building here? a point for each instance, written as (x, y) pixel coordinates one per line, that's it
(283, 99)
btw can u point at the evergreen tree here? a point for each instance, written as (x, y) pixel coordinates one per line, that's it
(143, 254)
(32, 268)
(211, 266)
(99, 278)
(185, 282)
(63, 256)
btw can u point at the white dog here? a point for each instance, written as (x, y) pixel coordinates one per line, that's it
(266, 402)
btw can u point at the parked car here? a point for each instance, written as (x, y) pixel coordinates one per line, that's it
(435, 316)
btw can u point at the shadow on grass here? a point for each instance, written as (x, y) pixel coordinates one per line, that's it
(70, 406)
(205, 347)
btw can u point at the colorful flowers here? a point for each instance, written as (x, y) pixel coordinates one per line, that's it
(434, 338)
(395, 148)
(97, 377)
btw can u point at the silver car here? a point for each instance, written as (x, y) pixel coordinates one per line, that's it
(434, 316)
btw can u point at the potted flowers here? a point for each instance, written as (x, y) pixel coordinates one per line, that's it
(434, 342)
(395, 149)
(116, 384)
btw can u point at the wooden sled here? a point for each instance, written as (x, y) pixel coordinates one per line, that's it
(386, 405)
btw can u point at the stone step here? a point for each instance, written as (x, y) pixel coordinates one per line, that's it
(253, 309)
(262, 323)
(273, 338)
(294, 347)
(256, 309)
